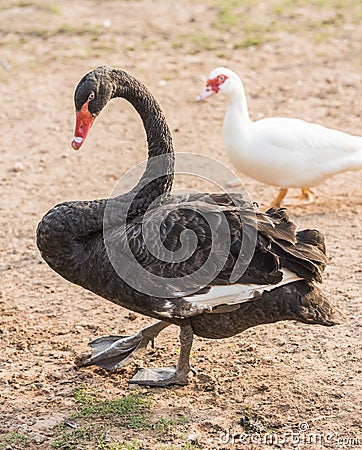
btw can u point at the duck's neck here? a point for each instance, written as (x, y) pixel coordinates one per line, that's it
(237, 116)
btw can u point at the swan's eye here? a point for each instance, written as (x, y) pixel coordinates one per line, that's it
(91, 96)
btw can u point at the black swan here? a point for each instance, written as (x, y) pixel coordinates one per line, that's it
(78, 240)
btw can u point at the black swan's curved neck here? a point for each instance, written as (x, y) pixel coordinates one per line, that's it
(70, 235)
(158, 176)
(157, 131)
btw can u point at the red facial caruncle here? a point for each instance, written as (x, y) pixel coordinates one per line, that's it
(215, 83)
(212, 87)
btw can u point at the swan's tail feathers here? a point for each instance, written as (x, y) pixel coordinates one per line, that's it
(312, 237)
(311, 306)
(306, 257)
(302, 252)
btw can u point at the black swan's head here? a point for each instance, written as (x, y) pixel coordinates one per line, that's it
(91, 95)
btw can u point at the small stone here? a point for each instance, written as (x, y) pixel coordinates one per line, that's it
(18, 167)
(6, 65)
(39, 439)
(131, 316)
(193, 437)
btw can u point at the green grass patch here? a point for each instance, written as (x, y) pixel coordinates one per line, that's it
(71, 439)
(46, 33)
(135, 445)
(167, 424)
(250, 23)
(194, 43)
(86, 438)
(230, 13)
(249, 41)
(202, 42)
(41, 6)
(132, 410)
(95, 419)
(187, 446)
(91, 425)
(13, 441)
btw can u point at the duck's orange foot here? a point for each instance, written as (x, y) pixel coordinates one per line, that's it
(306, 196)
(276, 203)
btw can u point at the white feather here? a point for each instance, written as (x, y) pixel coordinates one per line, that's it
(239, 293)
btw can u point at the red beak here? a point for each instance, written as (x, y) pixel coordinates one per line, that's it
(84, 122)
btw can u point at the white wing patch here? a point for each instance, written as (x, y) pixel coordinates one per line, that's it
(239, 293)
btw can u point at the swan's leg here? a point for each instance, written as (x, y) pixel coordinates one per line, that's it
(114, 352)
(168, 376)
(279, 198)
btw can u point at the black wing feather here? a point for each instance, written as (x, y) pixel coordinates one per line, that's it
(278, 243)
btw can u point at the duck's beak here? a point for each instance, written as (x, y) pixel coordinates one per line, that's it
(205, 93)
(84, 122)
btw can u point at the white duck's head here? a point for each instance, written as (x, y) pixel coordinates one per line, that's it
(221, 80)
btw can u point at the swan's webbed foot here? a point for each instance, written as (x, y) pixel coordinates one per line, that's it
(111, 352)
(114, 352)
(169, 376)
(160, 377)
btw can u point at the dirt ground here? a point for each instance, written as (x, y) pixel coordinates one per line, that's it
(302, 61)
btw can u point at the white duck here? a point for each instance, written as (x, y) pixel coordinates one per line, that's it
(284, 152)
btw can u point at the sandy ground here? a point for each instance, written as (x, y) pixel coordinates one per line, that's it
(280, 377)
